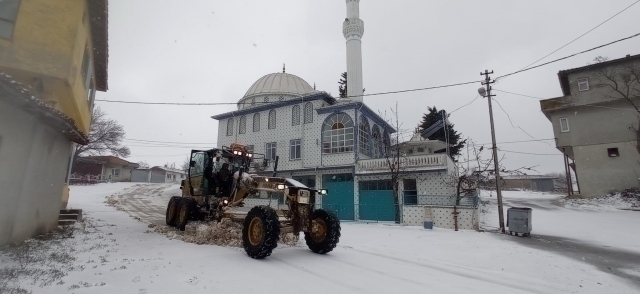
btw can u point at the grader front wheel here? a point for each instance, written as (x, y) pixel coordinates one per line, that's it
(325, 233)
(172, 211)
(260, 232)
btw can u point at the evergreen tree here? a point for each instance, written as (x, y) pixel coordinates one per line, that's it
(455, 143)
(342, 88)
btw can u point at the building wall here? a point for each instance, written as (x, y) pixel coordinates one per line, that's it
(595, 125)
(310, 135)
(599, 174)
(124, 176)
(48, 42)
(34, 161)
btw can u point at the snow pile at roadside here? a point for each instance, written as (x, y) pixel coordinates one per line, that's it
(604, 203)
(225, 233)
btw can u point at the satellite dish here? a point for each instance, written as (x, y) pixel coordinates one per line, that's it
(482, 91)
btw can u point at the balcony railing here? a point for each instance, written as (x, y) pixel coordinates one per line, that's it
(408, 162)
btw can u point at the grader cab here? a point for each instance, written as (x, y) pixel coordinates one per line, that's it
(219, 181)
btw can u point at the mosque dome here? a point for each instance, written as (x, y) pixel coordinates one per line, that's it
(275, 87)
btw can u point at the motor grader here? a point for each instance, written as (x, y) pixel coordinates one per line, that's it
(218, 182)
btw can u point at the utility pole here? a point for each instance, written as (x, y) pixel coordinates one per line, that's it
(487, 93)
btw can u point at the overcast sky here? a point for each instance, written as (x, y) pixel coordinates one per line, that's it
(213, 51)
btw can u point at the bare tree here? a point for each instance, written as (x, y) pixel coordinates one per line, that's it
(185, 165)
(394, 159)
(105, 137)
(143, 164)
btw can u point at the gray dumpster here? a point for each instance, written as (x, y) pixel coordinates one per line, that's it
(519, 220)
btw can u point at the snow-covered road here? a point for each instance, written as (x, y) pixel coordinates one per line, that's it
(370, 258)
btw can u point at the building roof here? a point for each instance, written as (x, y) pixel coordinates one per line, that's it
(108, 160)
(563, 75)
(279, 83)
(168, 169)
(18, 94)
(528, 177)
(99, 22)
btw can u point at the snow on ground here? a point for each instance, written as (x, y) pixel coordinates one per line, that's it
(370, 258)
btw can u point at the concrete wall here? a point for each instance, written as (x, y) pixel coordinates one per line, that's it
(124, 176)
(34, 161)
(599, 174)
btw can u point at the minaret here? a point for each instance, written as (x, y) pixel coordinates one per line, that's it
(353, 29)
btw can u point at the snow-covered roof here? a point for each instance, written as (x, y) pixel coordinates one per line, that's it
(169, 169)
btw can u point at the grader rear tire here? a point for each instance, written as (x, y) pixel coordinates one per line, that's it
(261, 232)
(184, 213)
(172, 211)
(326, 234)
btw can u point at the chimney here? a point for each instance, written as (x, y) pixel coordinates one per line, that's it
(628, 55)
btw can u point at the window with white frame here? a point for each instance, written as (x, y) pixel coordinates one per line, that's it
(271, 151)
(564, 124)
(272, 119)
(256, 122)
(242, 125)
(115, 172)
(337, 134)
(308, 113)
(295, 115)
(583, 84)
(295, 149)
(376, 139)
(363, 135)
(230, 127)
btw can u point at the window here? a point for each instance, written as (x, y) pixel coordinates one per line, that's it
(266, 99)
(242, 126)
(168, 176)
(253, 101)
(613, 152)
(337, 134)
(295, 149)
(583, 84)
(564, 124)
(198, 168)
(85, 63)
(272, 120)
(363, 136)
(420, 149)
(8, 15)
(91, 94)
(375, 137)
(256, 122)
(271, 151)
(410, 191)
(308, 113)
(230, 127)
(281, 98)
(115, 172)
(410, 151)
(309, 181)
(295, 115)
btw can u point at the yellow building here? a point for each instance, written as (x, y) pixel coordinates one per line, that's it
(53, 58)
(59, 48)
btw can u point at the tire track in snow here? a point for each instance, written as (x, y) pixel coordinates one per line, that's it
(458, 272)
(321, 277)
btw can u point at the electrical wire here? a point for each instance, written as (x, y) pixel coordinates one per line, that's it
(528, 153)
(516, 127)
(569, 56)
(565, 45)
(463, 106)
(563, 102)
(150, 141)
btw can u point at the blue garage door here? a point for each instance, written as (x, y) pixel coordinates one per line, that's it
(340, 195)
(376, 201)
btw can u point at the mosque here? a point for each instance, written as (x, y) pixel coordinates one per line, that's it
(336, 143)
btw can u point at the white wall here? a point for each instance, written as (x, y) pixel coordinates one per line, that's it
(33, 165)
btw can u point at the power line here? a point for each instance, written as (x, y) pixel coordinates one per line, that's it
(569, 56)
(150, 141)
(565, 45)
(528, 153)
(563, 102)
(518, 127)
(523, 141)
(474, 100)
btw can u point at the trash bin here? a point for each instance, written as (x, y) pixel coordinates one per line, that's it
(519, 221)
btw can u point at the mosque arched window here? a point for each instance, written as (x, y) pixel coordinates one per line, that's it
(272, 119)
(363, 136)
(337, 134)
(242, 125)
(230, 127)
(256, 122)
(295, 115)
(308, 113)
